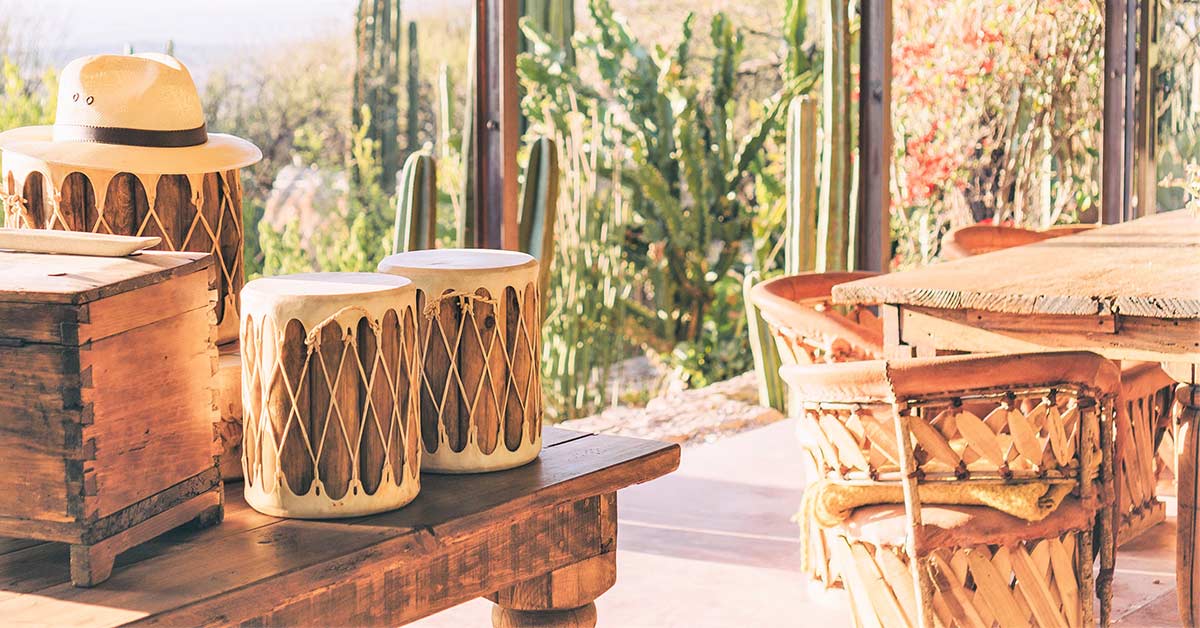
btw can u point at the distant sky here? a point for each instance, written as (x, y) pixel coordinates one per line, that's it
(203, 30)
(211, 22)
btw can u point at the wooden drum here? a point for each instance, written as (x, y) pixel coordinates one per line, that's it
(329, 383)
(479, 329)
(199, 212)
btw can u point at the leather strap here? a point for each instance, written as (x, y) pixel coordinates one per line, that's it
(131, 137)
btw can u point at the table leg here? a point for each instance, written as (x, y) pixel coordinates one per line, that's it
(562, 598)
(1187, 570)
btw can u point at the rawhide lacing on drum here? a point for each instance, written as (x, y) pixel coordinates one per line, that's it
(473, 304)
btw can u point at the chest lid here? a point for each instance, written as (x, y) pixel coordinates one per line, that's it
(44, 298)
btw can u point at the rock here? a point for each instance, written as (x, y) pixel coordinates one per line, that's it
(700, 415)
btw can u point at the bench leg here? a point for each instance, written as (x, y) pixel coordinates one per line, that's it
(562, 598)
(582, 617)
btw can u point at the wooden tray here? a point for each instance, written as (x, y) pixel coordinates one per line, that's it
(73, 243)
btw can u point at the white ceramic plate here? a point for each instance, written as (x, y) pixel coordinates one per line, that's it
(73, 243)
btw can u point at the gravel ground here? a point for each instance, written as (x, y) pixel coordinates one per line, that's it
(688, 416)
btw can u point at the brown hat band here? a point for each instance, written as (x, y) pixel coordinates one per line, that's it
(131, 137)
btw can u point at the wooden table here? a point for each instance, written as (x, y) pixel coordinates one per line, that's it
(539, 540)
(1128, 291)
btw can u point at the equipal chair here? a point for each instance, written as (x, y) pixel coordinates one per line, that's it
(964, 490)
(1143, 409)
(808, 329)
(975, 239)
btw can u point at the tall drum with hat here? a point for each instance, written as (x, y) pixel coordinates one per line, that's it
(129, 154)
(479, 329)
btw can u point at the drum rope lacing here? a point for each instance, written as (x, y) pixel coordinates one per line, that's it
(17, 214)
(468, 302)
(349, 348)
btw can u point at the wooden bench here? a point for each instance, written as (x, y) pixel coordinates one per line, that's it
(539, 540)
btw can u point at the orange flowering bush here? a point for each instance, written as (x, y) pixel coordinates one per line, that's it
(996, 113)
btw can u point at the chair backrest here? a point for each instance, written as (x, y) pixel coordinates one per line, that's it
(979, 239)
(808, 328)
(998, 420)
(1007, 417)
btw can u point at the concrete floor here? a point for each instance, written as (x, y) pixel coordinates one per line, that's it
(712, 545)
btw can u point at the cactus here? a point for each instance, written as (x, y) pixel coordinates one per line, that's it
(772, 391)
(687, 168)
(416, 205)
(795, 24)
(539, 205)
(444, 111)
(590, 279)
(413, 88)
(800, 230)
(465, 228)
(555, 20)
(833, 221)
(376, 80)
(799, 247)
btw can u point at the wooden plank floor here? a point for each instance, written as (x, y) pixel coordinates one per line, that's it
(252, 562)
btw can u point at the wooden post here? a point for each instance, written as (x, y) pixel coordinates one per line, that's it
(1112, 185)
(873, 236)
(1128, 211)
(1146, 161)
(496, 123)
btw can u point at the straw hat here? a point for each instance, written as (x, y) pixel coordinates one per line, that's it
(130, 113)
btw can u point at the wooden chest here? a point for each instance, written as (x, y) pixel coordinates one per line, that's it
(107, 412)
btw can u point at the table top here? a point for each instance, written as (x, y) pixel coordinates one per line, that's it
(252, 562)
(1147, 267)
(42, 278)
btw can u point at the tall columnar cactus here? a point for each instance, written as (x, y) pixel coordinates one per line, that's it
(539, 205)
(800, 231)
(444, 94)
(772, 391)
(800, 242)
(795, 26)
(834, 220)
(413, 88)
(465, 228)
(416, 205)
(378, 40)
(555, 20)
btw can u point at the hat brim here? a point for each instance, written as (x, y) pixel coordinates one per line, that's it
(220, 152)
